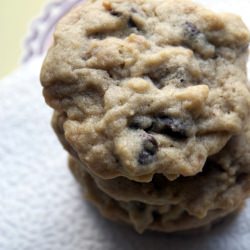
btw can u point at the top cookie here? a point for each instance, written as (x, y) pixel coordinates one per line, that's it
(147, 86)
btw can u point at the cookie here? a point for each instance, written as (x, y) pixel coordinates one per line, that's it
(164, 218)
(215, 188)
(147, 87)
(225, 180)
(223, 186)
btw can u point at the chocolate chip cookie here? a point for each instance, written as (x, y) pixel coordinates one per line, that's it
(166, 217)
(147, 86)
(223, 184)
(150, 99)
(185, 203)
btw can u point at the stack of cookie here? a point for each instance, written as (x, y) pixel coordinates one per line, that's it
(151, 103)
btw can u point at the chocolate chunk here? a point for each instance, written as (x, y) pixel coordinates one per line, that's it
(141, 122)
(170, 126)
(115, 13)
(131, 23)
(173, 127)
(150, 147)
(197, 41)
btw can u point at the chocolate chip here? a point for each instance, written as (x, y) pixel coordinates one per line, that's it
(131, 23)
(173, 127)
(197, 41)
(170, 126)
(141, 122)
(115, 13)
(149, 150)
(191, 30)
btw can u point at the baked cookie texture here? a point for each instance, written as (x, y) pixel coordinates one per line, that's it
(185, 203)
(151, 101)
(170, 217)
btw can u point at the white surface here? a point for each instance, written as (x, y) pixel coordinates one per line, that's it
(41, 206)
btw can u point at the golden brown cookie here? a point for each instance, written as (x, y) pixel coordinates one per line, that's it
(165, 218)
(147, 87)
(221, 187)
(225, 180)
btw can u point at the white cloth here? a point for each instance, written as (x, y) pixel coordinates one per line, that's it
(41, 205)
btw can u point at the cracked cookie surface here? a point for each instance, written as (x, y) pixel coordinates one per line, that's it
(186, 203)
(223, 183)
(147, 87)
